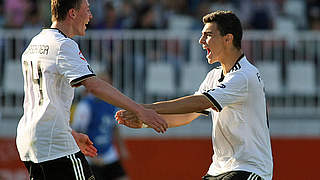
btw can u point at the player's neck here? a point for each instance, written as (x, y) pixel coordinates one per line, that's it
(64, 27)
(230, 59)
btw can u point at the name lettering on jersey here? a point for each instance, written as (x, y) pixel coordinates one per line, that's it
(81, 56)
(38, 49)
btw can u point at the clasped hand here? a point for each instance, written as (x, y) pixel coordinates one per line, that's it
(131, 120)
(128, 119)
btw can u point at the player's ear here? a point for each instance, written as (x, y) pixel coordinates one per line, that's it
(229, 38)
(72, 13)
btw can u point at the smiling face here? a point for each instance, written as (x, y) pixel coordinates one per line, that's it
(82, 17)
(212, 40)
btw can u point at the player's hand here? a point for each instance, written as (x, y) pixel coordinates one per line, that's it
(85, 144)
(153, 120)
(128, 119)
(149, 117)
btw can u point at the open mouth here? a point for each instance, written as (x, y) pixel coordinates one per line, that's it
(208, 50)
(86, 25)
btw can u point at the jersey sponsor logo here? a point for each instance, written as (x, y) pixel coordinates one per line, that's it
(82, 57)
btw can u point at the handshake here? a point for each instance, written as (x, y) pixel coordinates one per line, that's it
(166, 114)
(143, 119)
(129, 119)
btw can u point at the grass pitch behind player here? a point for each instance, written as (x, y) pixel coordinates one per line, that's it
(234, 95)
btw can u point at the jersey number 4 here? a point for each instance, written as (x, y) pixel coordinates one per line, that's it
(34, 72)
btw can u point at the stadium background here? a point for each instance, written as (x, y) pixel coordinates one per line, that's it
(151, 47)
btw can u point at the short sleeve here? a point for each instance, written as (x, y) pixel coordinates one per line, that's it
(233, 89)
(72, 64)
(206, 83)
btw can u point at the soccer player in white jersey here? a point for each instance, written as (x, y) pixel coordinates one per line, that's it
(234, 95)
(52, 66)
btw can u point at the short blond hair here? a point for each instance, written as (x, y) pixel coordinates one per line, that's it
(60, 8)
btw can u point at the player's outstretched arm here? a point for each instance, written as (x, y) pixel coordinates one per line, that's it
(85, 144)
(174, 120)
(106, 92)
(182, 105)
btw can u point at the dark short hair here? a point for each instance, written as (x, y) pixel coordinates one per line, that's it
(60, 8)
(228, 23)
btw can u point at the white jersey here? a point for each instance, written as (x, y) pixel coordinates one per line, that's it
(240, 134)
(52, 65)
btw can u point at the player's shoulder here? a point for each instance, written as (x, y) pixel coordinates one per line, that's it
(66, 41)
(244, 66)
(67, 45)
(59, 37)
(246, 70)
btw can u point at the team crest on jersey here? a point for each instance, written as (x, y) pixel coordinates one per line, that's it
(81, 56)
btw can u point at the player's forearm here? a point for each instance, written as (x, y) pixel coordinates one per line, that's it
(176, 120)
(111, 95)
(187, 104)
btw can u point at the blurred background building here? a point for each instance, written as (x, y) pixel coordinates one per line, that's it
(151, 47)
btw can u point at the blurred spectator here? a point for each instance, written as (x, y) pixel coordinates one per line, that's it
(194, 4)
(146, 18)
(2, 18)
(97, 10)
(44, 9)
(155, 14)
(313, 14)
(294, 11)
(33, 19)
(127, 14)
(110, 18)
(177, 6)
(96, 118)
(15, 12)
(225, 5)
(258, 14)
(202, 9)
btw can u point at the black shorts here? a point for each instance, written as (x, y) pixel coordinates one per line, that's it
(234, 175)
(71, 167)
(109, 171)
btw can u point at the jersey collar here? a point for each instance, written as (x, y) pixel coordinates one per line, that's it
(235, 67)
(58, 31)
